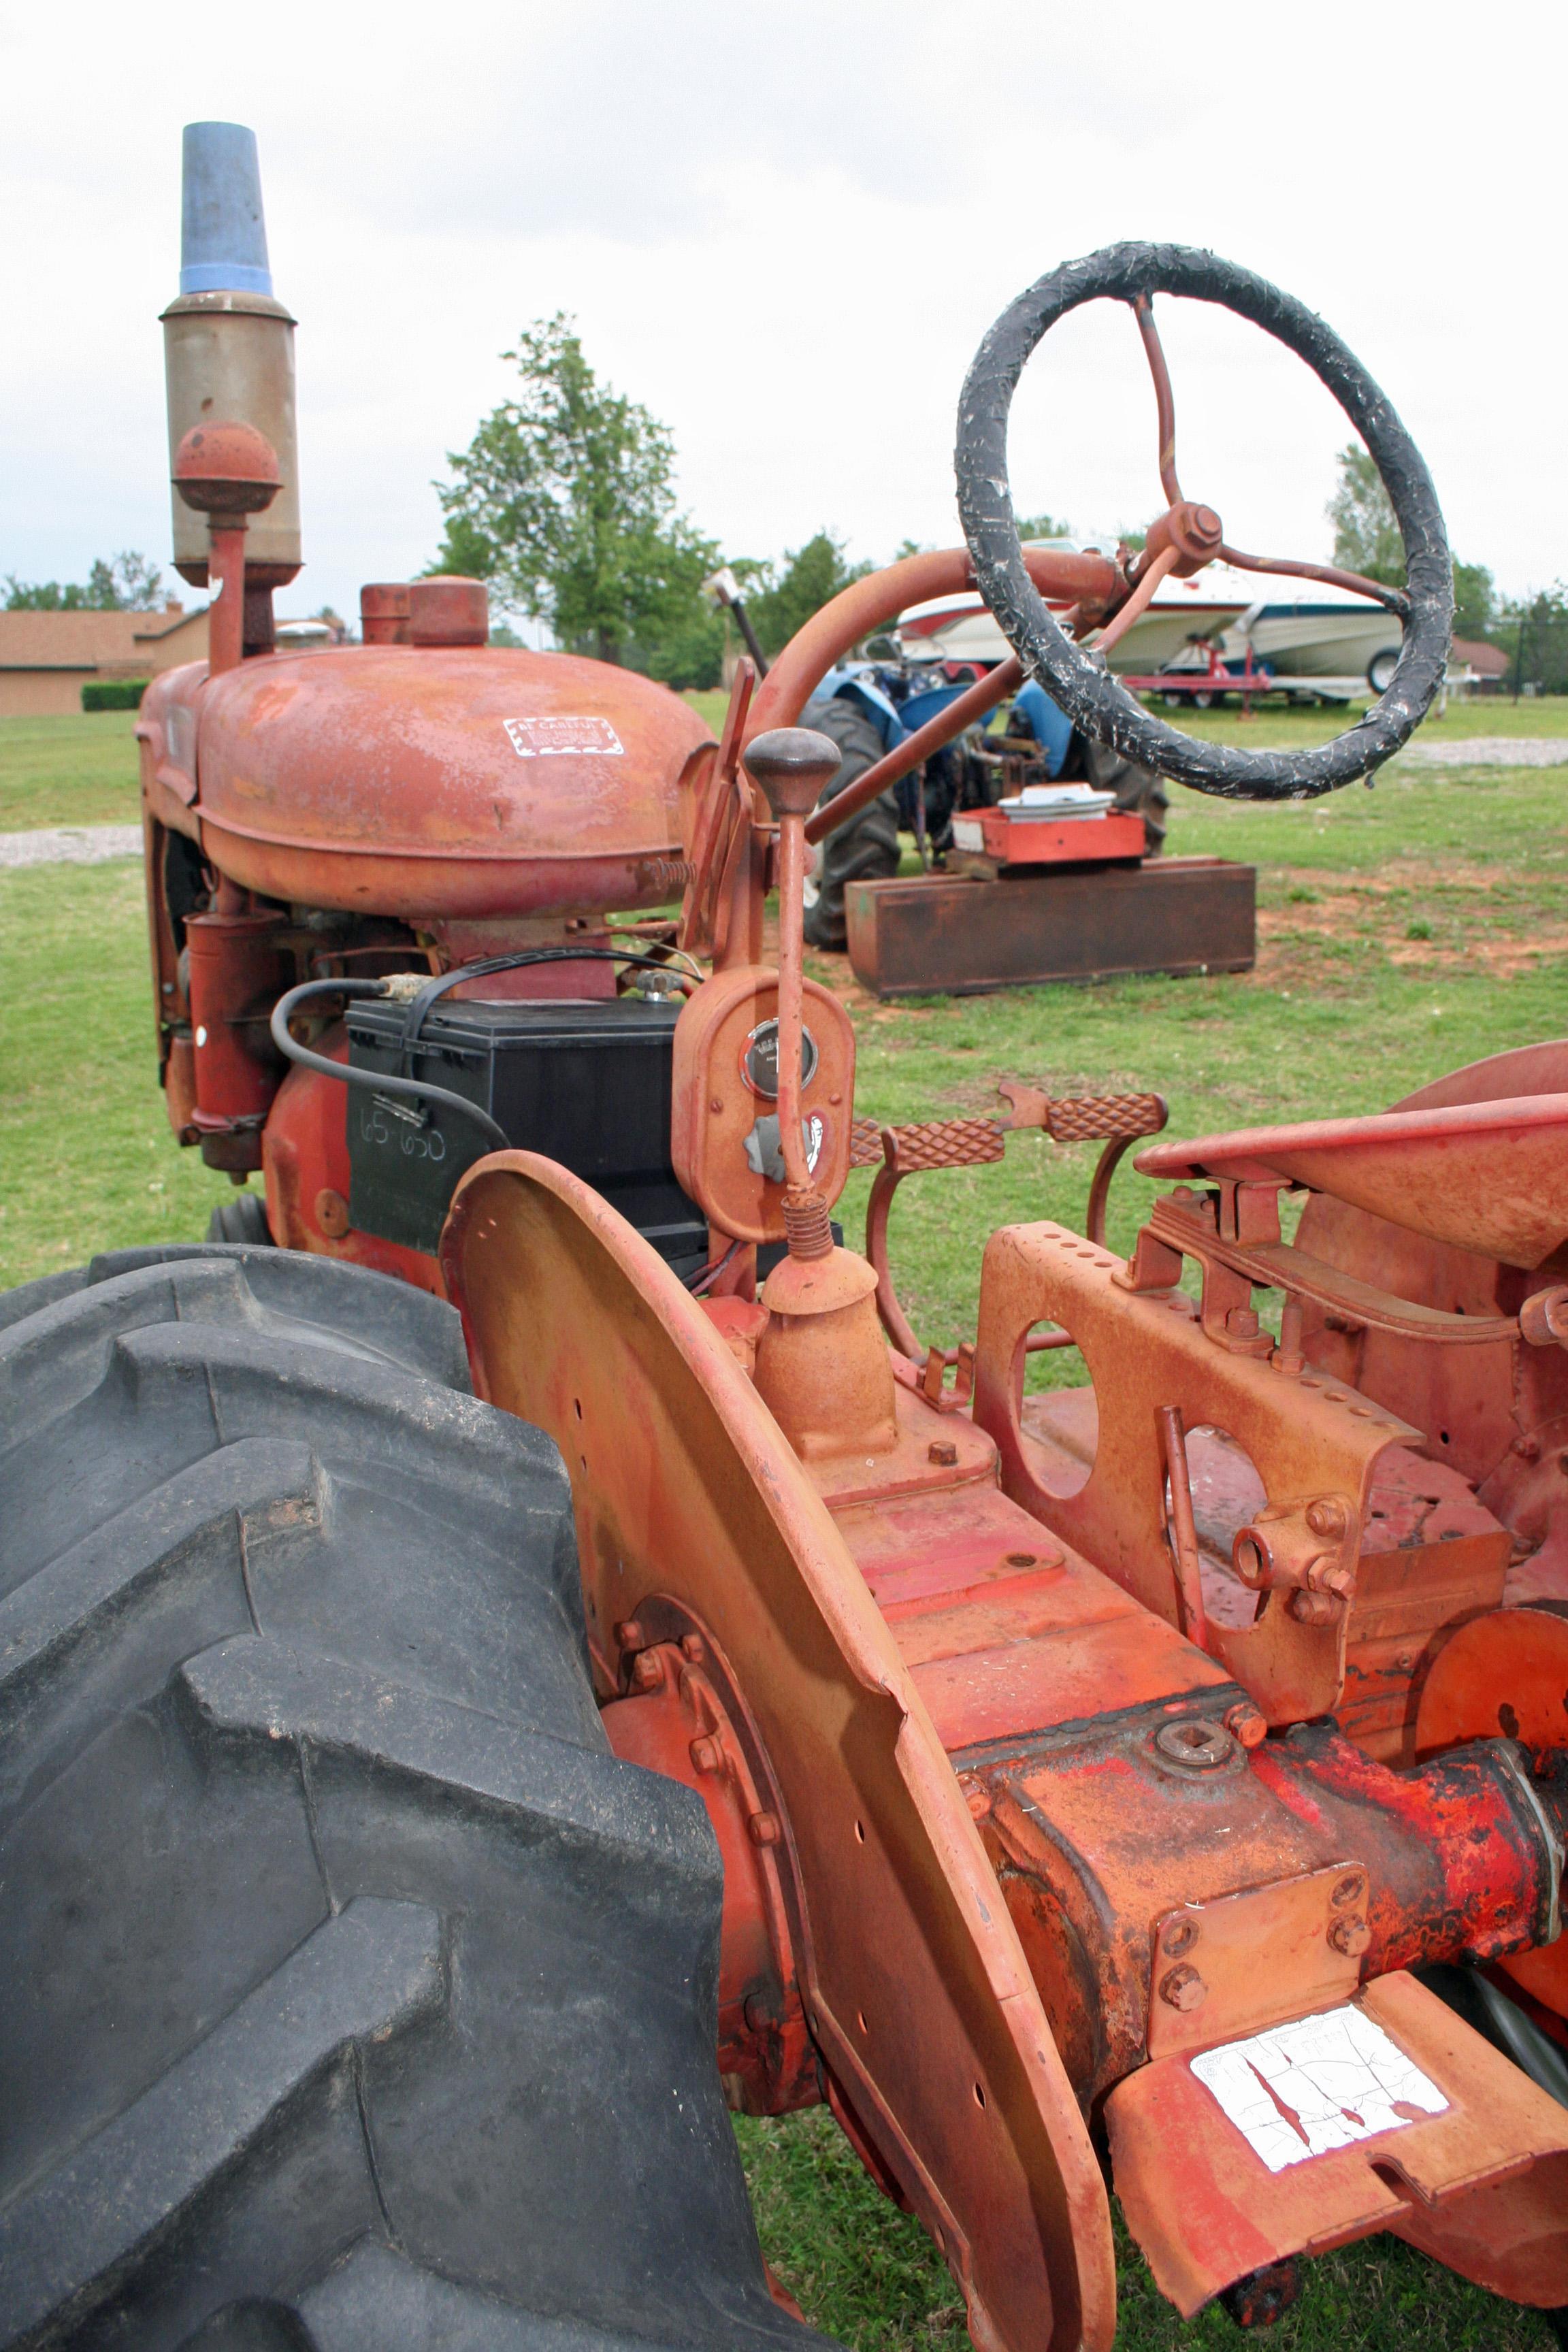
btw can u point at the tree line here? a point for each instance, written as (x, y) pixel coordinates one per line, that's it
(1532, 631)
(564, 502)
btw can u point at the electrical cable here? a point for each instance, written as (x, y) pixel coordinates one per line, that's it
(424, 1090)
(413, 1089)
(706, 1275)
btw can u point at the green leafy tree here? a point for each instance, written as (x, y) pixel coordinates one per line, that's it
(810, 577)
(1475, 601)
(129, 583)
(1366, 536)
(1044, 526)
(1533, 631)
(564, 502)
(1367, 540)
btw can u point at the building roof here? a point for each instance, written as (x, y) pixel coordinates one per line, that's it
(1484, 660)
(89, 641)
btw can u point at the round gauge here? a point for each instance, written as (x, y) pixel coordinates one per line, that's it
(760, 1061)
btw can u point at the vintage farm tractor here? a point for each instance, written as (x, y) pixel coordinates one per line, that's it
(404, 1789)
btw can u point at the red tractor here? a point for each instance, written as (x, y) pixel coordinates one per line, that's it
(407, 1790)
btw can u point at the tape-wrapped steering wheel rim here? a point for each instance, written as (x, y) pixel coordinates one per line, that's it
(1092, 697)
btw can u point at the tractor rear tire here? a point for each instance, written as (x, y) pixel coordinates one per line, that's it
(866, 849)
(1139, 790)
(242, 1219)
(357, 1995)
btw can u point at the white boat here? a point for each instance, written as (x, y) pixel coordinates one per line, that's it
(1321, 631)
(1308, 629)
(1183, 614)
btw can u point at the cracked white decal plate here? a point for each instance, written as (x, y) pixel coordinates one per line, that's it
(542, 738)
(1325, 2081)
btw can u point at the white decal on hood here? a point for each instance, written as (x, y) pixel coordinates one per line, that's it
(543, 739)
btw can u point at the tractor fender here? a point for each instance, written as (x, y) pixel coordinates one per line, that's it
(914, 1981)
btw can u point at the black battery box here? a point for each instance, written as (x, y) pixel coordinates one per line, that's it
(586, 1083)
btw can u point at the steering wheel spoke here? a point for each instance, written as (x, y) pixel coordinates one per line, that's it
(1394, 600)
(1165, 398)
(1187, 537)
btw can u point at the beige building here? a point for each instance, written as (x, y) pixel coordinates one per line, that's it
(46, 658)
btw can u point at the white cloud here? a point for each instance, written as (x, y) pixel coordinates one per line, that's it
(785, 228)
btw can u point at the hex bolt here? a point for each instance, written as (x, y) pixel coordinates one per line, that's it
(1315, 1608)
(1349, 1936)
(942, 1452)
(647, 1671)
(1243, 1722)
(1350, 1889)
(691, 1649)
(1180, 1936)
(1183, 1988)
(628, 1634)
(1242, 1323)
(1327, 1515)
(763, 1829)
(706, 1754)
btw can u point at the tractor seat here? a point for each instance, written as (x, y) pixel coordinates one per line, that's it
(1489, 1176)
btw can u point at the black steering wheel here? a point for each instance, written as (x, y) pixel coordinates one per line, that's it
(1189, 535)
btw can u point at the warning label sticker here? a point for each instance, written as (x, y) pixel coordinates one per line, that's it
(1298, 2091)
(544, 739)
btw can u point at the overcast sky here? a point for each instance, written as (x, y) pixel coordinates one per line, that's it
(784, 228)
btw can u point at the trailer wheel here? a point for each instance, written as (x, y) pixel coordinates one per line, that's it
(1139, 790)
(242, 1219)
(866, 849)
(1380, 669)
(357, 1994)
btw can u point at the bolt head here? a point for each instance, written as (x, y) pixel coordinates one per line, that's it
(628, 1634)
(647, 1671)
(942, 1452)
(1182, 1988)
(1327, 1515)
(1349, 1936)
(763, 1829)
(707, 1754)
(1242, 1323)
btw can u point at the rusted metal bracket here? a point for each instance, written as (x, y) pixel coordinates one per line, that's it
(1252, 1256)
(1314, 1443)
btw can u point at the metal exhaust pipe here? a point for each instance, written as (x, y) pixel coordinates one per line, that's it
(229, 357)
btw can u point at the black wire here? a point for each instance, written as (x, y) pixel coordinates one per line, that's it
(697, 1283)
(415, 1089)
(420, 1004)
(422, 1089)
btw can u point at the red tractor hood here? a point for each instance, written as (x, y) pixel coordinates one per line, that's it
(455, 783)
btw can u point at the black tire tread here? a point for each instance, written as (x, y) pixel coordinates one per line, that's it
(361, 1995)
(867, 848)
(241, 1219)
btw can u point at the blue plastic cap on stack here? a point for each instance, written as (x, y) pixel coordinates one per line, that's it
(223, 234)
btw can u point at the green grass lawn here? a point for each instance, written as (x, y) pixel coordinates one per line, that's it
(1402, 931)
(75, 771)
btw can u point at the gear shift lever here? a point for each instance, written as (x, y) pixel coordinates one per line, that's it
(792, 764)
(822, 1364)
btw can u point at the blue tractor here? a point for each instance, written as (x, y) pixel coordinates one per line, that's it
(867, 707)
